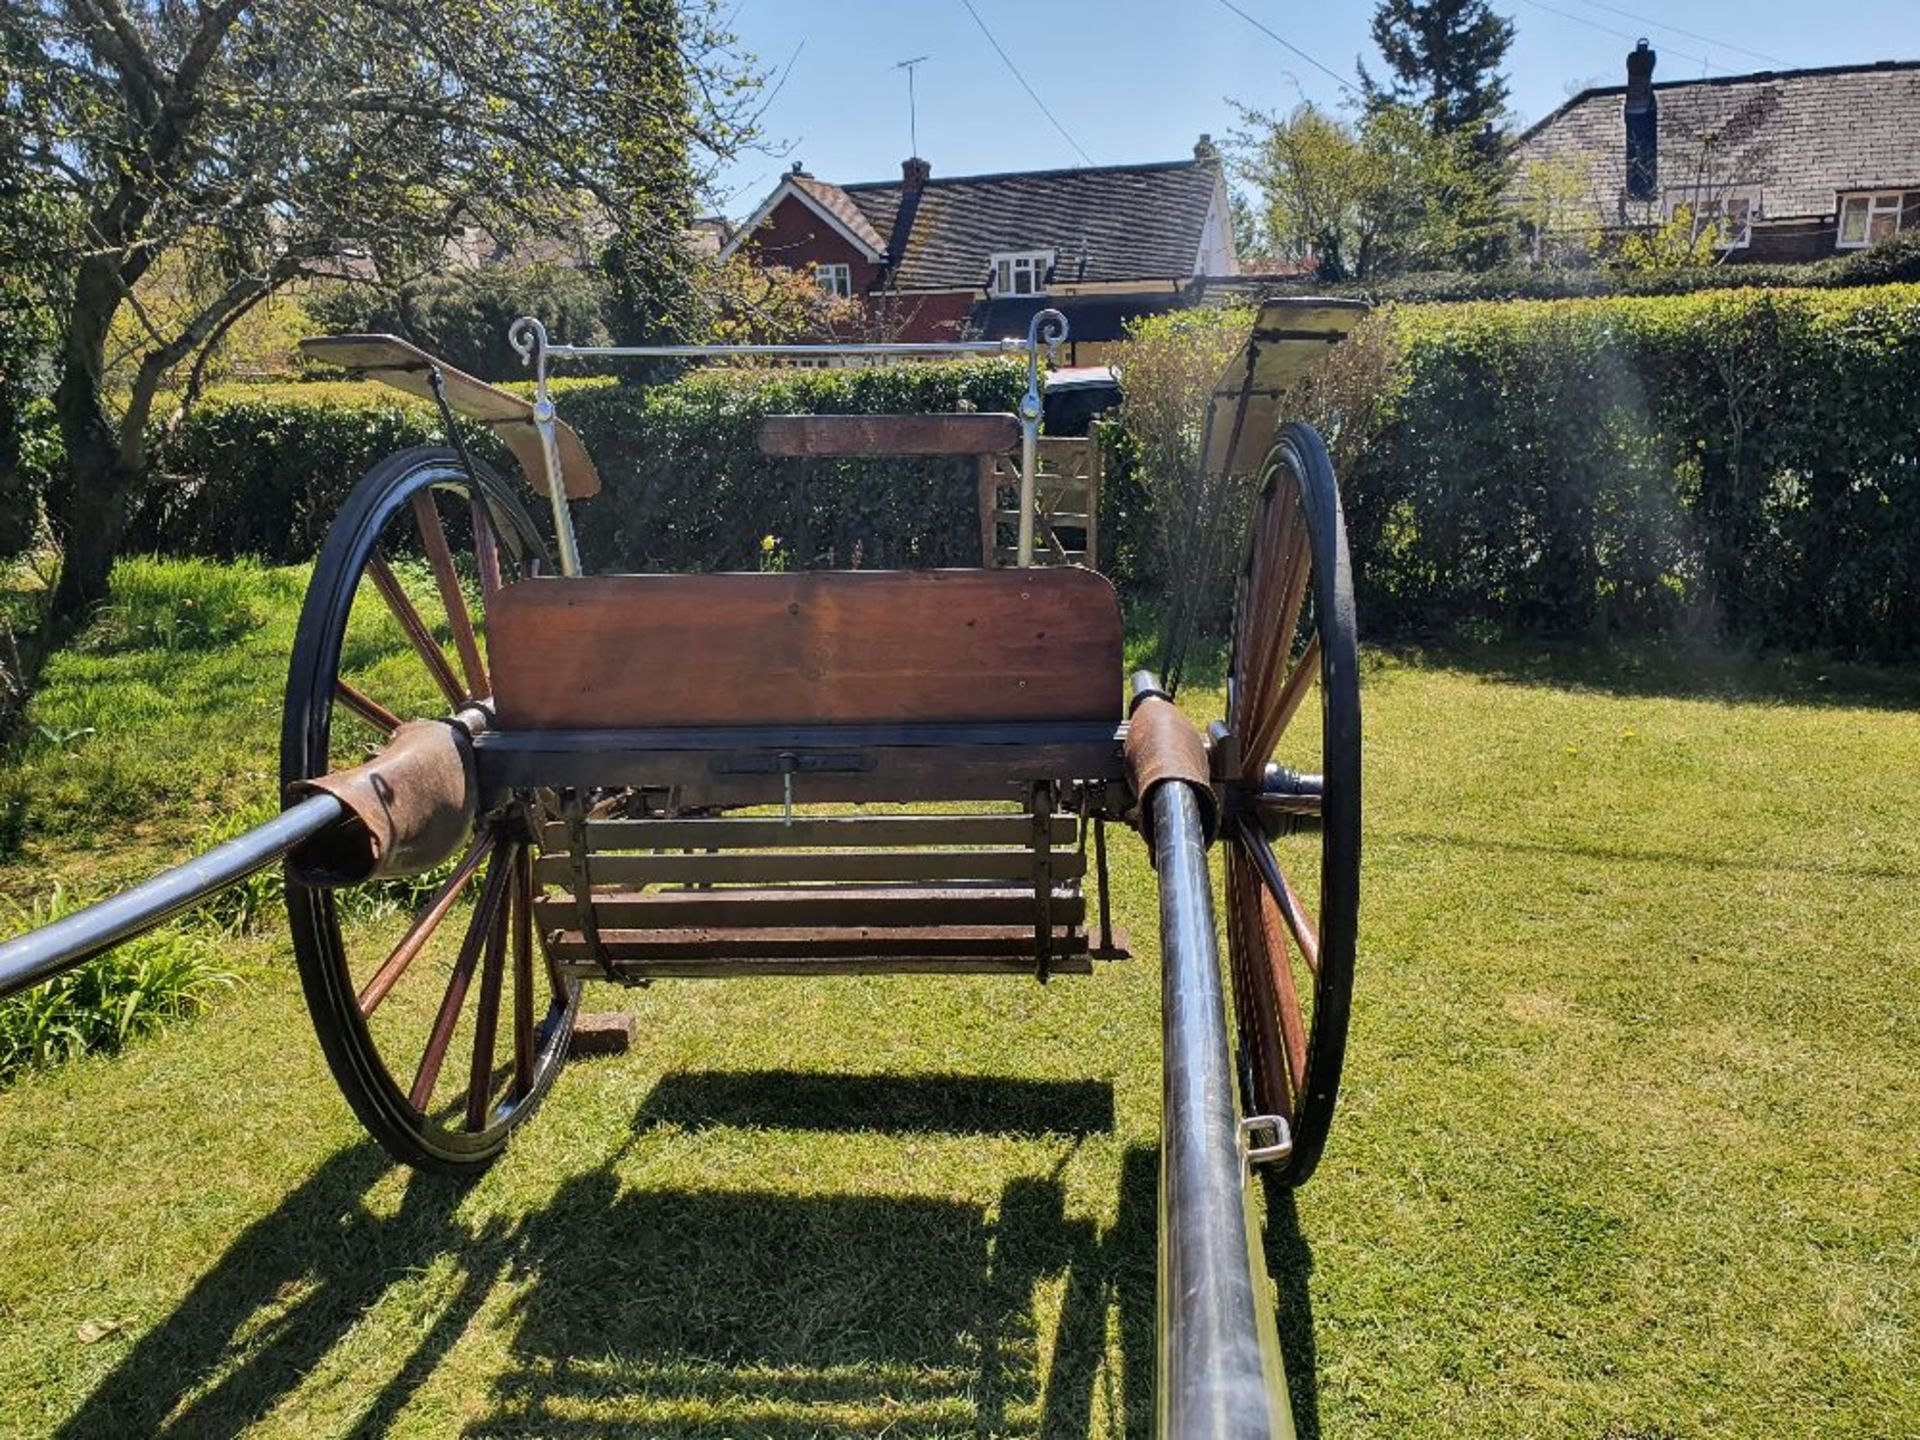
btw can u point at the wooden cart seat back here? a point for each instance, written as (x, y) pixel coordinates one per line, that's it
(811, 648)
(408, 368)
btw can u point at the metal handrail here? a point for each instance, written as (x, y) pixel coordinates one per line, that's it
(530, 342)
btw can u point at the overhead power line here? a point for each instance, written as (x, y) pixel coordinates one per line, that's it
(1619, 34)
(1279, 39)
(1032, 94)
(1690, 34)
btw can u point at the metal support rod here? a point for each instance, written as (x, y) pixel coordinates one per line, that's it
(74, 939)
(1029, 460)
(566, 545)
(1048, 328)
(1218, 1365)
(728, 352)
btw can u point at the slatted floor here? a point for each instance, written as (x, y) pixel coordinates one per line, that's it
(818, 895)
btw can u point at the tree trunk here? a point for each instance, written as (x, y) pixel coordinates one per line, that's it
(87, 502)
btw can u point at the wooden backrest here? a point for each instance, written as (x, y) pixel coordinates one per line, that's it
(862, 436)
(406, 367)
(856, 647)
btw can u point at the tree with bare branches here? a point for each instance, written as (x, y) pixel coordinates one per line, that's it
(250, 144)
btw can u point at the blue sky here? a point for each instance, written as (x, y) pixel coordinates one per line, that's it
(1134, 80)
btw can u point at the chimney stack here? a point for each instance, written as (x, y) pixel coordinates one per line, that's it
(1643, 126)
(914, 175)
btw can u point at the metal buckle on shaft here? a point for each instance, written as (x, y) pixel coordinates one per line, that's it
(1275, 1125)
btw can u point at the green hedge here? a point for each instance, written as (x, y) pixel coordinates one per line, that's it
(1894, 260)
(1740, 463)
(687, 488)
(263, 472)
(1743, 463)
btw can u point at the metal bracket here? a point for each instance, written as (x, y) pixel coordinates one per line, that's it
(1042, 810)
(791, 762)
(1280, 1147)
(576, 816)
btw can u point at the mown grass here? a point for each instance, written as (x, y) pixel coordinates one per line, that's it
(1627, 1148)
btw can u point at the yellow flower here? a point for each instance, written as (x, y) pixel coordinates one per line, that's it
(767, 544)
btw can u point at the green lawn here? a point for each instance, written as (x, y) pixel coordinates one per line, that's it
(1630, 1143)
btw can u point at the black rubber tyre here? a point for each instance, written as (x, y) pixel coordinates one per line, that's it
(1293, 807)
(371, 526)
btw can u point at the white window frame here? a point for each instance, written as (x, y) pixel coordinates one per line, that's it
(1717, 207)
(834, 278)
(1008, 267)
(1873, 203)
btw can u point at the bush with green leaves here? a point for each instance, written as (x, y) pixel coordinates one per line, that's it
(463, 315)
(110, 1001)
(1740, 463)
(1894, 260)
(263, 473)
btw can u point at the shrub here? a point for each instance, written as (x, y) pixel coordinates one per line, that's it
(108, 1002)
(463, 315)
(1739, 461)
(685, 486)
(1895, 259)
(1734, 460)
(1170, 364)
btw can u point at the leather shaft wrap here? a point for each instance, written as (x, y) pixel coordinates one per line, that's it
(1163, 745)
(408, 809)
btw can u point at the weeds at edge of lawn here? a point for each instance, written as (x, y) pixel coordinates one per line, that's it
(110, 1001)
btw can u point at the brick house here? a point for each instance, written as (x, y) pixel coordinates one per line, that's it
(1793, 164)
(935, 258)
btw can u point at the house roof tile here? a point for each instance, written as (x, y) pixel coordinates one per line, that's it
(837, 203)
(1794, 136)
(1131, 222)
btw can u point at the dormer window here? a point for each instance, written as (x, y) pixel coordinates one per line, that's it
(1021, 272)
(835, 280)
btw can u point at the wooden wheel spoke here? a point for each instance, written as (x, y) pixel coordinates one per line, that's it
(1267, 721)
(486, 1019)
(1299, 681)
(1286, 995)
(523, 975)
(486, 549)
(479, 934)
(416, 630)
(1280, 891)
(366, 707)
(423, 928)
(434, 536)
(1260, 1025)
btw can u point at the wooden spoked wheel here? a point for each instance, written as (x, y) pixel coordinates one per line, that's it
(443, 1020)
(1292, 811)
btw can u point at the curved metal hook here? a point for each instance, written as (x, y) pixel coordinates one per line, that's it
(528, 337)
(1048, 328)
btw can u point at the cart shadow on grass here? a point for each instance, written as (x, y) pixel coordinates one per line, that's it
(705, 1311)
